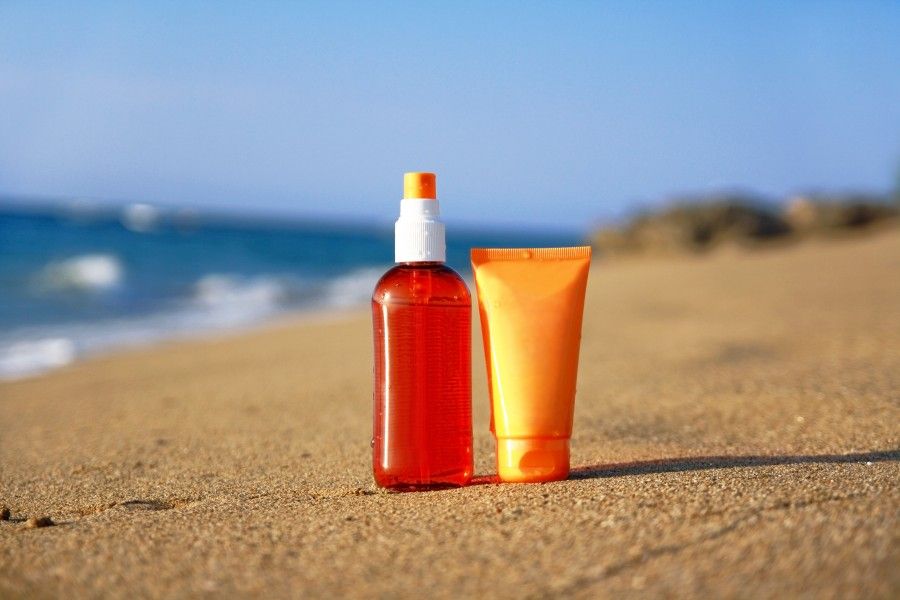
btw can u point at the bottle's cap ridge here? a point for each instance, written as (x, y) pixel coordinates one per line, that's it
(419, 185)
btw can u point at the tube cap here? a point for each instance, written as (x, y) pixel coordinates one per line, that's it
(532, 460)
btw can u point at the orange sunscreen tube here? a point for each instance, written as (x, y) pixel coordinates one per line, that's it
(531, 302)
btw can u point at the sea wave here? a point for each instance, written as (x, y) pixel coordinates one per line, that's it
(229, 296)
(352, 289)
(223, 300)
(24, 358)
(216, 302)
(83, 273)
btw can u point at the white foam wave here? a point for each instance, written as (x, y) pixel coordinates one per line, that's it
(84, 273)
(353, 289)
(230, 298)
(140, 217)
(25, 358)
(217, 302)
(227, 301)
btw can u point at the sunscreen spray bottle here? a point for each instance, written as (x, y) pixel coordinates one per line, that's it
(421, 316)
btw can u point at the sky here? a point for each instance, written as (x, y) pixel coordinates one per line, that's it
(532, 114)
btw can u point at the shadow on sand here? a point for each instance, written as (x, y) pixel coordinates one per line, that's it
(699, 463)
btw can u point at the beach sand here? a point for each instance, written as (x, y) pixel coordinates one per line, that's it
(736, 434)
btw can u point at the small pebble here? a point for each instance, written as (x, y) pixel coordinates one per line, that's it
(35, 522)
(4, 513)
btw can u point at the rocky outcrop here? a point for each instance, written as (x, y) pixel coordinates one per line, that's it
(693, 226)
(827, 214)
(700, 224)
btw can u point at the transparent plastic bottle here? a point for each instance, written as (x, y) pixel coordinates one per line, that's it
(421, 315)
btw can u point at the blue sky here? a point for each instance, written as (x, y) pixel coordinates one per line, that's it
(531, 113)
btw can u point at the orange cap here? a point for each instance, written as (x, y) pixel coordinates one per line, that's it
(419, 185)
(532, 460)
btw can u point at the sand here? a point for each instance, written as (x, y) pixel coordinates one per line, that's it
(736, 435)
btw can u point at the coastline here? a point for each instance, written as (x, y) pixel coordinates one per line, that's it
(289, 318)
(736, 434)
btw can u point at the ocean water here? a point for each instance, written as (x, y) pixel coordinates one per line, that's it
(78, 282)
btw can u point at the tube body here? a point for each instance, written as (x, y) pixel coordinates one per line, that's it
(531, 302)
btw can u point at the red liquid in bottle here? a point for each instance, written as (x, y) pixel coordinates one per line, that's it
(421, 314)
